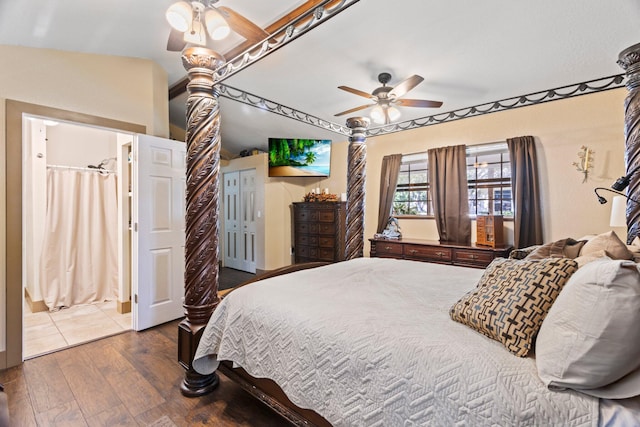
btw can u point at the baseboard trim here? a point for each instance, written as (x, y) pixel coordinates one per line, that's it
(124, 307)
(35, 306)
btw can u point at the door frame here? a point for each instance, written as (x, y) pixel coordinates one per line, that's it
(14, 111)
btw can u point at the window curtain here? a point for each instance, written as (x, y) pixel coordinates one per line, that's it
(388, 182)
(78, 264)
(525, 192)
(449, 192)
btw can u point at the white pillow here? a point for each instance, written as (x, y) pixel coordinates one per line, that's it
(590, 339)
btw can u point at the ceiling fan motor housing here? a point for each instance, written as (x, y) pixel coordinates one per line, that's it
(384, 78)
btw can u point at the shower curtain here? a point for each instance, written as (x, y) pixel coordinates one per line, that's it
(78, 264)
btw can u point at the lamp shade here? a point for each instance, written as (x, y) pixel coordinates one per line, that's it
(217, 26)
(179, 15)
(618, 212)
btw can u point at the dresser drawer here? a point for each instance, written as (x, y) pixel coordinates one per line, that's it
(430, 253)
(306, 215)
(325, 228)
(307, 239)
(306, 228)
(388, 249)
(479, 258)
(326, 216)
(326, 242)
(325, 254)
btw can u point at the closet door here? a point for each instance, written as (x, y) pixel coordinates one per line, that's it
(248, 206)
(232, 221)
(158, 211)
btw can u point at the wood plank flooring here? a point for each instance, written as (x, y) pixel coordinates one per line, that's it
(131, 379)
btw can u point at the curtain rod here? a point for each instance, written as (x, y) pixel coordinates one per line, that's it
(104, 171)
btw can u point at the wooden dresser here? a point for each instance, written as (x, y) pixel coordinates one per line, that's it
(434, 251)
(319, 231)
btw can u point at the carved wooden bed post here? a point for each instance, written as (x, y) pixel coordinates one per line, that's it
(629, 60)
(201, 242)
(357, 160)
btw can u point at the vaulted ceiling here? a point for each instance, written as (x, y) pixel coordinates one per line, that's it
(469, 52)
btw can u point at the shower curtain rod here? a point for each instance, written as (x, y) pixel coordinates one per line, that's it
(105, 171)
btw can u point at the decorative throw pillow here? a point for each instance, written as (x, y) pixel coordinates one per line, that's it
(609, 242)
(522, 252)
(564, 248)
(512, 299)
(590, 340)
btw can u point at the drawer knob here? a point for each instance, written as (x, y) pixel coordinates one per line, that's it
(440, 254)
(473, 256)
(413, 251)
(387, 248)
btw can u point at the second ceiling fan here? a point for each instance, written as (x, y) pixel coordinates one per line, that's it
(385, 99)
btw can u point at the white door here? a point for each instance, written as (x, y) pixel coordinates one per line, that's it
(231, 191)
(248, 202)
(158, 211)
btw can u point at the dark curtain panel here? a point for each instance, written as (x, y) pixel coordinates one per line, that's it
(449, 191)
(388, 181)
(527, 230)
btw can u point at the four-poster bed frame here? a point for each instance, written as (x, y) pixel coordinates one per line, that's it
(205, 69)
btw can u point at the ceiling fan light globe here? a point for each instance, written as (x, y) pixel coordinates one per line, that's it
(179, 15)
(377, 115)
(217, 26)
(394, 114)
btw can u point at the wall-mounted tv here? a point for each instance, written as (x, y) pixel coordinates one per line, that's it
(299, 157)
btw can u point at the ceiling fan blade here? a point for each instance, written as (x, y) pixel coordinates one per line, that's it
(358, 92)
(362, 107)
(406, 85)
(176, 41)
(242, 25)
(423, 103)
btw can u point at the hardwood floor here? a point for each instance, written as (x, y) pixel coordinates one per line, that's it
(131, 379)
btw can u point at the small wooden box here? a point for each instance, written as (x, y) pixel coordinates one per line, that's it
(489, 230)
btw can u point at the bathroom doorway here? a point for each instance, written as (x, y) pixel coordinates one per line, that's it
(70, 263)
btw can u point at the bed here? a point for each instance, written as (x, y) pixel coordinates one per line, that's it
(371, 342)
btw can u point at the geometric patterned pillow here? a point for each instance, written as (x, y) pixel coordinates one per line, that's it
(512, 299)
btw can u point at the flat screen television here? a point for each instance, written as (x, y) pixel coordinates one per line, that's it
(299, 157)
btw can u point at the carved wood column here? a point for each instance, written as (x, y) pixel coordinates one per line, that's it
(202, 212)
(357, 160)
(629, 60)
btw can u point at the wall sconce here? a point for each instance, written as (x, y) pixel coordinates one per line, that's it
(620, 184)
(585, 162)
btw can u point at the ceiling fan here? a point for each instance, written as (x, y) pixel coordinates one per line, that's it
(385, 99)
(197, 22)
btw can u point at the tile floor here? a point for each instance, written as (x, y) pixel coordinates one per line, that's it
(45, 332)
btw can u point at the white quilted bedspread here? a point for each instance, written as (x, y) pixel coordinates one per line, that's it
(369, 342)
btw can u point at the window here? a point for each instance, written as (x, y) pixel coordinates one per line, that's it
(488, 176)
(412, 195)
